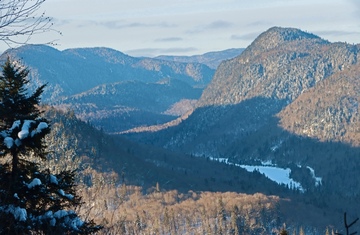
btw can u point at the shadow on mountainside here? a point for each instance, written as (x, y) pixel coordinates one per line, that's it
(145, 165)
(249, 133)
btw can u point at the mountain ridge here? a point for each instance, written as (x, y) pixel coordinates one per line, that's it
(72, 75)
(237, 115)
(76, 70)
(256, 71)
(211, 59)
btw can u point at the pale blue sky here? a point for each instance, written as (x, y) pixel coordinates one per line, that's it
(188, 27)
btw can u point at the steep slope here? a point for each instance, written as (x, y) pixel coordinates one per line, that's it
(236, 114)
(329, 111)
(79, 145)
(104, 86)
(135, 103)
(109, 167)
(211, 59)
(248, 90)
(73, 71)
(280, 64)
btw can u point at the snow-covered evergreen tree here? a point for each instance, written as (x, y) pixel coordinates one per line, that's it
(32, 201)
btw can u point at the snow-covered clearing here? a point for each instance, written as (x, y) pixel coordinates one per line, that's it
(274, 173)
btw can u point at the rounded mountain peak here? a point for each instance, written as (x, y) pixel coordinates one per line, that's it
(276, 36)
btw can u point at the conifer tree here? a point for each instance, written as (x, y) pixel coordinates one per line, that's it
(283, 231)
(32, 201)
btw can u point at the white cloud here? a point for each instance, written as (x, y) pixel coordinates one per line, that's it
(208, 25)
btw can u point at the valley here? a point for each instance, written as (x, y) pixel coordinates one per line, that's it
(208, 131)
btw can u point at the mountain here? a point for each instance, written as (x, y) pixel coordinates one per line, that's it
(124, 105)
(211, 59)
(104, 86)
(272, 72)
(73, 71)
(291, 99)
(280, 64)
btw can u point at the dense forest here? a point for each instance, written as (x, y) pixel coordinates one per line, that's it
(114, 199)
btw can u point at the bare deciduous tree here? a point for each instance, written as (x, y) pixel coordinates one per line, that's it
(20, 19)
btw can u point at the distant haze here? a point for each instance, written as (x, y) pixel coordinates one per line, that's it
(183, 27)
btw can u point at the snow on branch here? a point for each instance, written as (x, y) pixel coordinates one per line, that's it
(29, 129)
(19, 213)
(34, 182)
(24, 133)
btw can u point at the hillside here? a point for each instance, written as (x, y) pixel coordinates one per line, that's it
(144, 165)
(290, 99)
(250, 89)
(104, 86)
(329, 111)
(119, 179)
(280, 64)
(135, 103)
(74, 71)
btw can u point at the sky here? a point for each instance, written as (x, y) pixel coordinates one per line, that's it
(192, 27)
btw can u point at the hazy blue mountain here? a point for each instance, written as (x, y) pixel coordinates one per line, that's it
(103, 85)
(74, 71)
(135, 103)
(211, 59)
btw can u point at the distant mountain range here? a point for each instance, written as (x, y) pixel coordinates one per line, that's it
(211, 59)
(73, 71)
(104, 86)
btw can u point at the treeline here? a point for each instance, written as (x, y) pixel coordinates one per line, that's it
(127, 210)
(122, 208)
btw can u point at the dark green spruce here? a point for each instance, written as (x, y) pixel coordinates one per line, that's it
(32, 200)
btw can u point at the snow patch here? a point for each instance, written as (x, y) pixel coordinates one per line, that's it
(61, 213)
(318, 180)
(276, 146)
(34, 182)
(267, 163)
(62, 193)
(17, 142)
(41, 126)
(24, 133)
(53, 179)
(4, 134)
(15, 124)
(276, 174)
(279, 175)
(74, 223)
(62, 217)
(9, 142)
(19, 213)
(53, 222)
